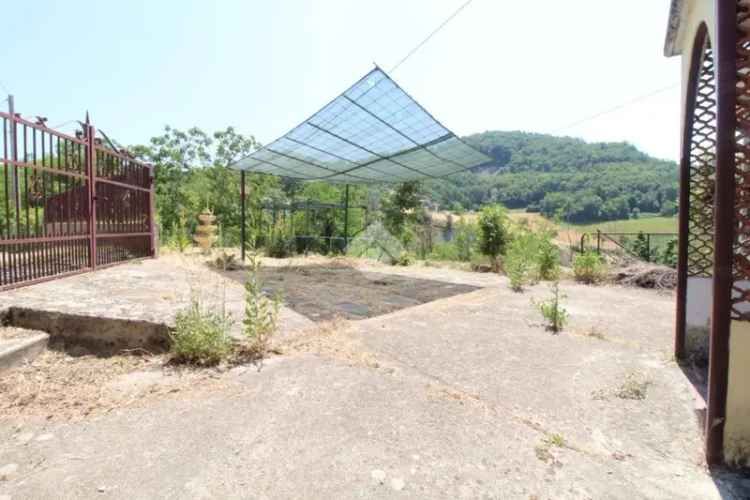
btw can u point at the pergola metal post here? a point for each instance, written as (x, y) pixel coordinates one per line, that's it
(243, 216)
(346, 218)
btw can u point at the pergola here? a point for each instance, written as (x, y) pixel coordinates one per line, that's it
(713, 294)
(374, 132)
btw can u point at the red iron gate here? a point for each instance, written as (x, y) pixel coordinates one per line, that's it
(68, 204)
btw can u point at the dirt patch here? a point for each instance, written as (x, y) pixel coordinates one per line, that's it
(72, 385)
(335, 289)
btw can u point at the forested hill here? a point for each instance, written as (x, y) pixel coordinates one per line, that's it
(562, 176)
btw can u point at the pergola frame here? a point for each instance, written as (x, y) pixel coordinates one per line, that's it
(714, 215)
(373, 132)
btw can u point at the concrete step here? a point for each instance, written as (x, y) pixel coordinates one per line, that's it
(17, 350)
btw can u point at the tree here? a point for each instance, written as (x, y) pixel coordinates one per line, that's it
(401, 206)
(191, 173)
(493, 231)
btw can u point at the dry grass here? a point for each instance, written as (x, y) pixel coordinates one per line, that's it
(59, 386)
(332, 339)
(634, 387)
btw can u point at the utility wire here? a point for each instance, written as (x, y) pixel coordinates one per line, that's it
(433, 33)
(625, 104)
(5, 89)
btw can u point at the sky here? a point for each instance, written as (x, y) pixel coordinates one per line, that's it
(265, 66)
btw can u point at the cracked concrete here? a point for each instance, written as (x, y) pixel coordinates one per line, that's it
(455, 400)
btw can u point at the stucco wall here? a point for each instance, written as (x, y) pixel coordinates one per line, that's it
(698, 317)
(737, 426)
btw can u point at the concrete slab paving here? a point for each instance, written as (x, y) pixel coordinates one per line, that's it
(469, 397)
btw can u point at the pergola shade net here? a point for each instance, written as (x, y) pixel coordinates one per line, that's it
(373, 132)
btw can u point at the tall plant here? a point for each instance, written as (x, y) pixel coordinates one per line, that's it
(493, 232)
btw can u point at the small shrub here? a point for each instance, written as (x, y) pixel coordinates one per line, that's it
(552, 311)
(444, 251)
(178, 238)
(261, 313)
(227, 262)
(465, 240)
(280, 242)
(588, 267)
(519, 262)
(547, 256)
(404, 259)
(200, 337)
(493, 231)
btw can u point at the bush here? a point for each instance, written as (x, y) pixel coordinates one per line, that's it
(493, 231)
(588, 267)
(404, 259)
(178, 238)
(444, 251)
(547, 256)
(280, 242)
(531, 256)
(261, 313)
(519, 262)
(465, 240)
(200, 337)
(555, 315)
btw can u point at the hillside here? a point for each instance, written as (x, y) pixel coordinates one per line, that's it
(562, 176)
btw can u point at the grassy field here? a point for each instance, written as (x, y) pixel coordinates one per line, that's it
(646, 223)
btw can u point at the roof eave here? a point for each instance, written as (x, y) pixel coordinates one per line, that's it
(673, 28)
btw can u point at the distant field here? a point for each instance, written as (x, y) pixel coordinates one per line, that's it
(647, 224)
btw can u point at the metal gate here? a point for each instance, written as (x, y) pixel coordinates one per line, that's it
(67, 203)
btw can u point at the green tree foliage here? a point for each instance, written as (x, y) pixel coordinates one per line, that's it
(493, 231)
(401, 206)
(191, 174)
(560, 176)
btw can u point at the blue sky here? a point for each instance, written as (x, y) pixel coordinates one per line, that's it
(264, 66)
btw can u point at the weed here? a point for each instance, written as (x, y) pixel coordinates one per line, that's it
(555, 315)
(404, 259)
(261, 312)
(593, 332)
(542, 450)
(178, 238)
(226, 262)
(200, 336)
(281, 241)
(519, 261)
(588, 268)
(634, 387)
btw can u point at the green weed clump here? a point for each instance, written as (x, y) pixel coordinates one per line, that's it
(531, 256)
(588, 268)
(178, 237)
(519, 261)
(261, 312)
(200, 337)
(552, 311)
(281, 241)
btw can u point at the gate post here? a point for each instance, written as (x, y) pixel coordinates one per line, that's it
(152, 210)
(91, 174)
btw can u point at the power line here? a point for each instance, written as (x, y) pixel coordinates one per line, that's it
(433, 33)
(625, 104)
(5, 89)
